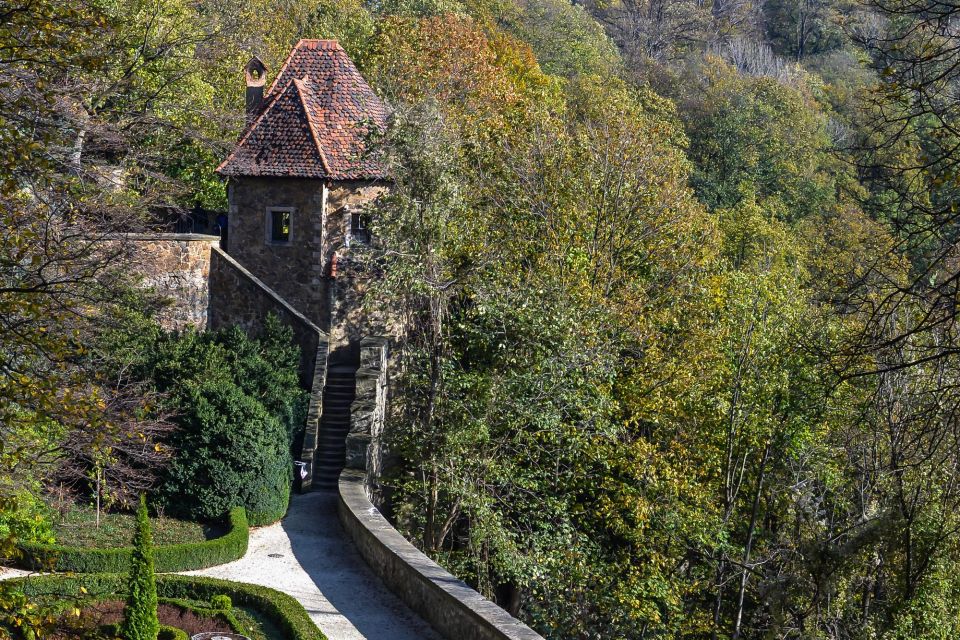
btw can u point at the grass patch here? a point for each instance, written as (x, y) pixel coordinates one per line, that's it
(256, 625)
(78, 528)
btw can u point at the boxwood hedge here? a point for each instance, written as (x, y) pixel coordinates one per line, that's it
(166, 632)
(167, 558)
(284, 612)
(171, 633)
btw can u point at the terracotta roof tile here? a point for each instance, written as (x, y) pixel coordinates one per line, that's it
(315, 121)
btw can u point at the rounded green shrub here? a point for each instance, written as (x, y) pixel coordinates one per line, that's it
(171, 633)
(232, 451)
(239, 408)
(222, 602)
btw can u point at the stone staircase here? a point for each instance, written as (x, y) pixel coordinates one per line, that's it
(338, 394)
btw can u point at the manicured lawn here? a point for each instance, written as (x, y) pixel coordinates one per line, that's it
(78, 528)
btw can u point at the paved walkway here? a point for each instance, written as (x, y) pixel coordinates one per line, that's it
(319, 566)
(308, 556)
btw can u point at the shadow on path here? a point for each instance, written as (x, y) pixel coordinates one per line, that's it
(309, 556)
(323, 549)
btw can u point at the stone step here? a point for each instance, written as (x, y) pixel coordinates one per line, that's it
(342, 368)
(337, 407)
(343, 394)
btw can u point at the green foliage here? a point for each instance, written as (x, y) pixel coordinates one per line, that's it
(239, 408)
(140, 614)
(755, 136)
(221, 602)
(171, 633)
(285, 612)
(167, 558)
(26, 518)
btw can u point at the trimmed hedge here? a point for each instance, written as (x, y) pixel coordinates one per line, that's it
(284, 612)
(168, 558)
(172, 633)
(166, 632)
(226, 615)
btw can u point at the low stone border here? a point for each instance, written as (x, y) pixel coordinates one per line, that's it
(450, 605)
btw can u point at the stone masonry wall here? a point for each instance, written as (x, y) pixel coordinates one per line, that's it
(368, 414)
(448, 604)
(177, 266)
(453, 608)
(300, 270)
(237, 297)
(293, 270)
(348, 321)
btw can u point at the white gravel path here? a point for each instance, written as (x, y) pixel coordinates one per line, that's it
(318, 566)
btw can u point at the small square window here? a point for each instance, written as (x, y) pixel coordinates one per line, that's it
(279, 225)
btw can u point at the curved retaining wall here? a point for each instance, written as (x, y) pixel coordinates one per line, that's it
(449, 604)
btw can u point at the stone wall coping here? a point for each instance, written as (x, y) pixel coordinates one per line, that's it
(449, 604)
(179, 237)
(270, 292)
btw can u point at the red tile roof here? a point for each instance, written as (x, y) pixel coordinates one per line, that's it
(315, 121)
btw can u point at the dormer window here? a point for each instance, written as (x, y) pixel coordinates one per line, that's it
(279, 225)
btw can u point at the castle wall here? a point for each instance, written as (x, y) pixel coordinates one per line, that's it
(293, 270)
(237, 297)
(176, 266)
(349, 322)
(301, 271)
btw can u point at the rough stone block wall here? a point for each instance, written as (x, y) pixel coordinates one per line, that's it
(293, 270)
(349, 322)
(300, 270)
(368, 413)
(448, 604)
(237, 297)
(177, 266)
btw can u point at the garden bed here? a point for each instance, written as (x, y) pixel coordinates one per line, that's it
(261, 613)
(183, 556)
(94, 616)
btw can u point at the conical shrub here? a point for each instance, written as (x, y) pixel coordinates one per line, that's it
(140, 615)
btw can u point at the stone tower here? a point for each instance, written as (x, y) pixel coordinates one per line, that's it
(300, 176)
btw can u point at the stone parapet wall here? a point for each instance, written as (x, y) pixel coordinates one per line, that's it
(237, 297)
(311, 431)
(176, 266)
(448, 604)
(368, 413)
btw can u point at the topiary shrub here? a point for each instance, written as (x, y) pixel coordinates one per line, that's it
(140, 615)
(171, 633)
(232, 452)
(222, 602)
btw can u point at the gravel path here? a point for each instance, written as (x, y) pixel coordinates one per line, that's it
(319, 566)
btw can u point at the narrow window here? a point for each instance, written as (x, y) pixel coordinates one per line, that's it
(359, 227)
(279, 225)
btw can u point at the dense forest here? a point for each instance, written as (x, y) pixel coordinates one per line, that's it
(677, 283)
